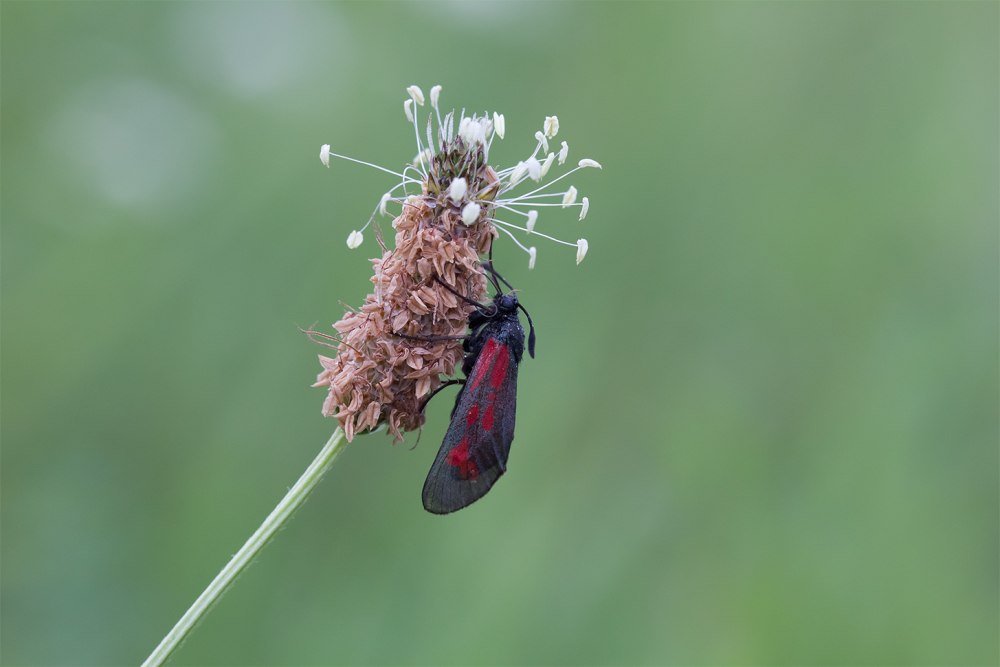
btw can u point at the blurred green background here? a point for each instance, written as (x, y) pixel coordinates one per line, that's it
(762, 427)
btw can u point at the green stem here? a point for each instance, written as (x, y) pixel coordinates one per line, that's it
(274, 521)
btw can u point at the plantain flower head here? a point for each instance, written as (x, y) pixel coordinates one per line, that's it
(399, 346)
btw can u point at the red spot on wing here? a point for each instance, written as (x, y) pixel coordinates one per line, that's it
(473, 415)
(486, 356)
(499, 373)
(488, 414)
(459, 458)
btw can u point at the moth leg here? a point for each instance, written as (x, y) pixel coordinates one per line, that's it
(429, 339)
(435, 392)
(481, 306)
(420, 432)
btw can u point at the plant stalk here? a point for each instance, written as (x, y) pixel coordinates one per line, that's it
(278, 517)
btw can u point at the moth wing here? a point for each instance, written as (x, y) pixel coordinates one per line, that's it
(474, 453)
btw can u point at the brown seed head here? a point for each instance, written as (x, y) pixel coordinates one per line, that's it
(379, 376)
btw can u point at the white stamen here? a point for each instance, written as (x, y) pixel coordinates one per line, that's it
(354, 239)
(457, 189)
(548, 164)
(581, 250)
(543, 141)
(563, 152)
(532, 254)
(423, 158)
(512, 237)
(416, 94)
(324, 155)
(435, 95)
(466, 132)
(532, 219)
(520, 199)
(499, 124)
(373, 166)
(584, 208)
(545, 186)
(534, 169)
(474, 130)
(503, 223)
(470, 213)
(587, 162)
(569, 197)
(408, 109)
(382, 203)
(551, 126)
(520, 171)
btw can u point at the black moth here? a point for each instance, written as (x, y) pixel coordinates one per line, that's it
(474, 453)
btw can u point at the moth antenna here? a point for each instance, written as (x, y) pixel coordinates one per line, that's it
(491, 274)
(494, 275)
(531, 330)
(460, 296)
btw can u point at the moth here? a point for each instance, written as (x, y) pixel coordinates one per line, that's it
(476, 446)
